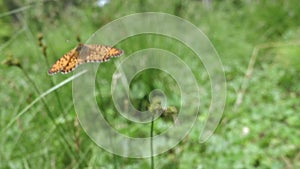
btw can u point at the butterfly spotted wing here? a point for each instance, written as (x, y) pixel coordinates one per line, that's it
(81, 54)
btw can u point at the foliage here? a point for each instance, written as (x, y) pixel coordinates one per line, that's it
(261, 132)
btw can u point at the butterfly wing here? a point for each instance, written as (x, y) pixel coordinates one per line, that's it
(72, 64)
(98, 53)
(63, 62)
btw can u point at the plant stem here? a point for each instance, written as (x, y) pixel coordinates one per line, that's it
(61, 128)
(151, 142)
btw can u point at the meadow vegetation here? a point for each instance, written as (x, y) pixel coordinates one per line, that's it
(258, 43)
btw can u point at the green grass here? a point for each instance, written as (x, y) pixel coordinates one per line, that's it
(48, 135)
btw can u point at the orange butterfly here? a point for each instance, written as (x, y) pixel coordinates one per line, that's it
(81, 54)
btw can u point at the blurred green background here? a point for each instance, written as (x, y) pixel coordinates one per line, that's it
(258, 43)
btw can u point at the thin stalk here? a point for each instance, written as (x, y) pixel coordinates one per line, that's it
(151, 142)
(44, 52)
(61, 129)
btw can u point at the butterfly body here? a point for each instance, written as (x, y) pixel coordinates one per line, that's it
(81, 54)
